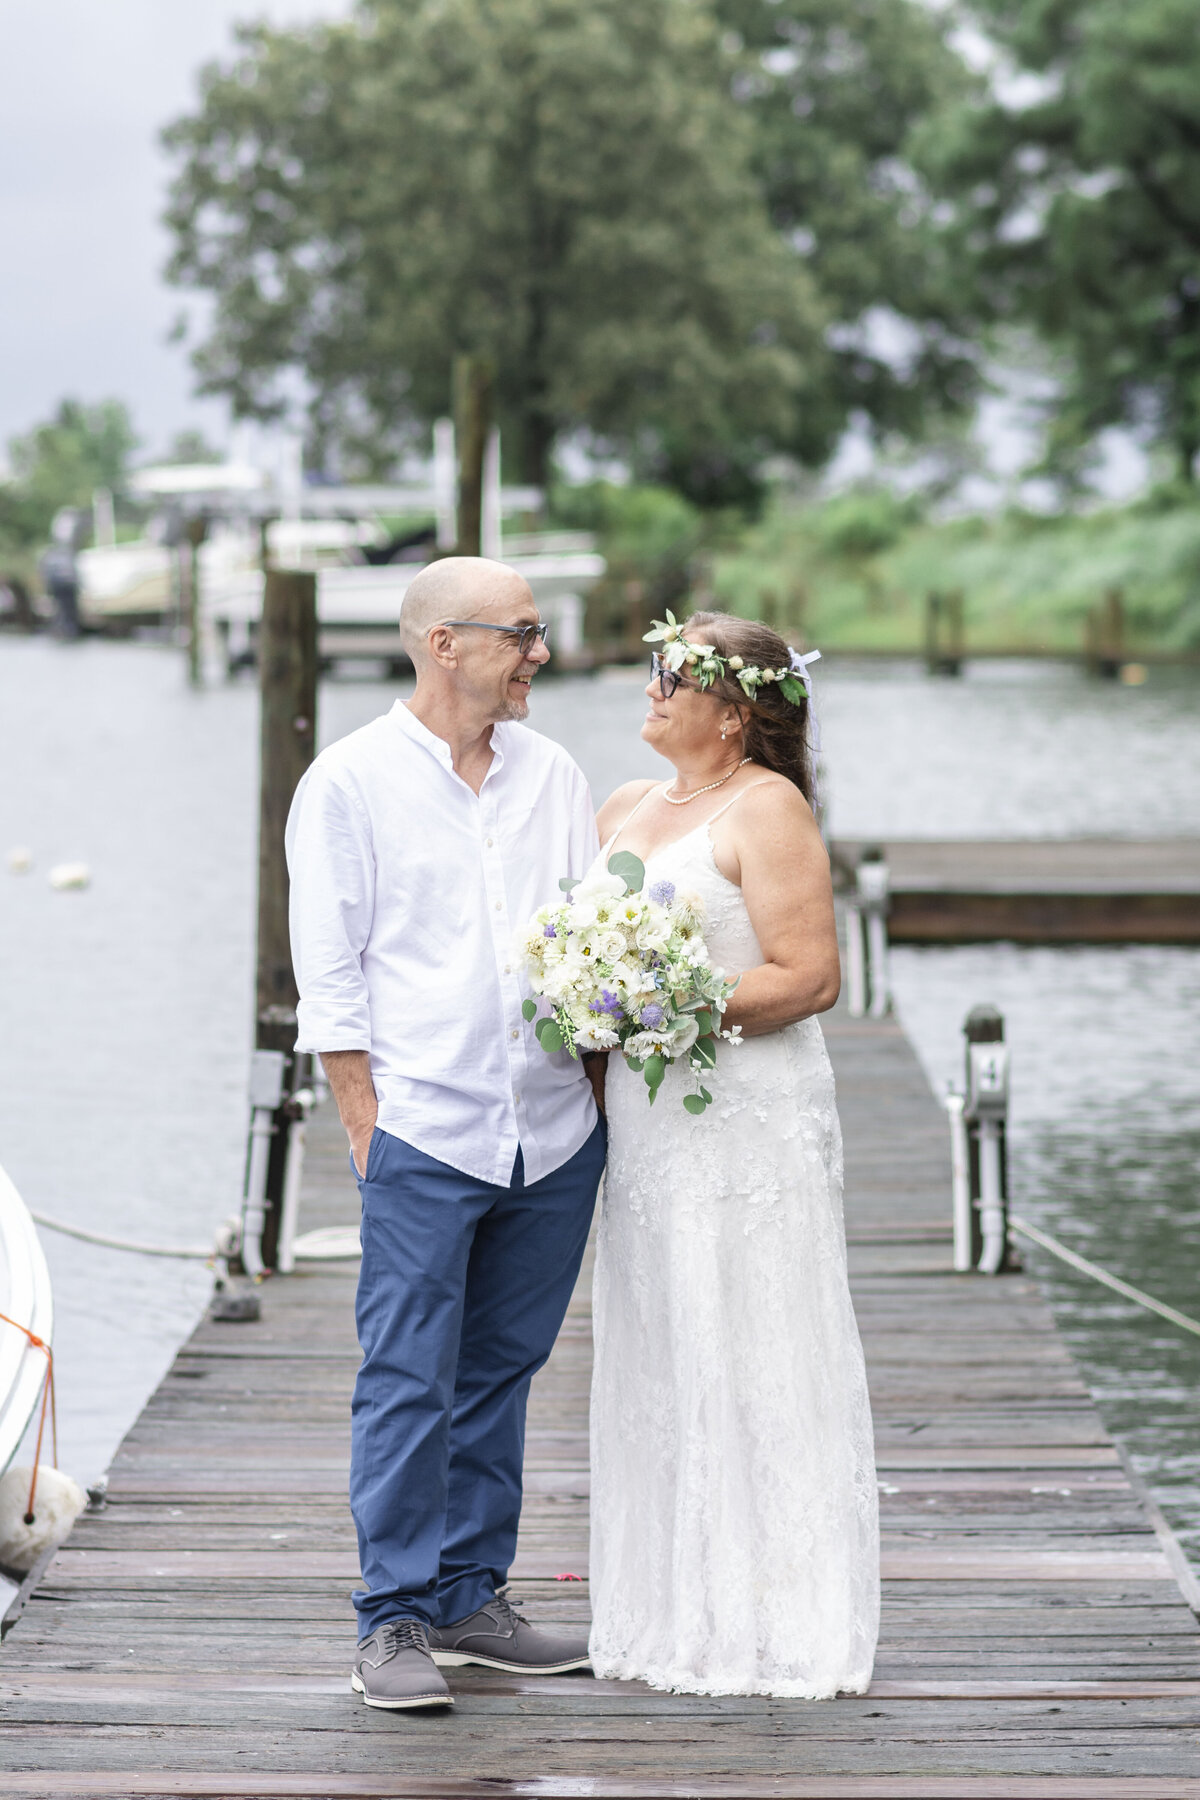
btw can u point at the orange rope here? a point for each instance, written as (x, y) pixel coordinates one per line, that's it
(47, 1396)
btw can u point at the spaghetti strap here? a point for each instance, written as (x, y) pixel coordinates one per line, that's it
(724, 809)
(629, 815)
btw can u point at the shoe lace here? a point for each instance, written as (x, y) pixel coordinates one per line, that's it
(509, 1611)
(403, 1634)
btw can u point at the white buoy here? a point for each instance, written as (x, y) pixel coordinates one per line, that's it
(20, 860)
(57, 1504)
(70, 875)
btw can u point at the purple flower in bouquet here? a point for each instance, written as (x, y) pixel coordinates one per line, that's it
(653, 1016)
(663, 892)
(608, 1003)
(549, 931)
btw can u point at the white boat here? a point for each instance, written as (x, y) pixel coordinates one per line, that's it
(24, 1297)
(333, 532)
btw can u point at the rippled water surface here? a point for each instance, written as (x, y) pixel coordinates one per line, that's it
(125, 1022)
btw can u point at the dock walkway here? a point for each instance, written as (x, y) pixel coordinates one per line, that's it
(195, 1638)
(1039, 891)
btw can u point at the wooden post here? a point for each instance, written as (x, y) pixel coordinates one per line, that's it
(944, 633)
(473, 393)
(287, 662)
(195, 532)
(1104, 635)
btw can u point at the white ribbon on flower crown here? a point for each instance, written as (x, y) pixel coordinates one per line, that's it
(799, 666)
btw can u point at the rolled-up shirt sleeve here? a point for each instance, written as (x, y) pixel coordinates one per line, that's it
(332, 869)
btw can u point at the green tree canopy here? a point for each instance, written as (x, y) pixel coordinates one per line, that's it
(565, 189)
(836, 91)
(1078, 207)
(61, 463)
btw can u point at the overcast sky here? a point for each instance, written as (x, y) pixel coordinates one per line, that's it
(85, 86)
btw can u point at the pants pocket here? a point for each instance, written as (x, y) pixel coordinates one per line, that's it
(373, 1148)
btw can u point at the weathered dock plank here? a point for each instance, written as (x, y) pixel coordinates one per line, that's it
(194, 1638)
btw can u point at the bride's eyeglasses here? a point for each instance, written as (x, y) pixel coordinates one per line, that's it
(667, 679)
(525, 636)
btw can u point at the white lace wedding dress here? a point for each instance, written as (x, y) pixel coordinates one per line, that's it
(735, 1543)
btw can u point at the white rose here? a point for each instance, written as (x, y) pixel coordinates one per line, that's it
(683, 1034)
(611, 946)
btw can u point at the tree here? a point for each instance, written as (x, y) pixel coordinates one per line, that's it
(838, 92)
(62, 463)
(1078, 207)
(563, 189)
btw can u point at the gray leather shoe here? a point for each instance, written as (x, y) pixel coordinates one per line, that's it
(498, 1637)
(393, 1668)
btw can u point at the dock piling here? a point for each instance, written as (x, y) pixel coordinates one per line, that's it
(867, 980)
(195, 531)
(944, 633)
(1104, 636)
(288, 686)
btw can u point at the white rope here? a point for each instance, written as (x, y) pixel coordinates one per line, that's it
(1098, 1274)
(112, 1243)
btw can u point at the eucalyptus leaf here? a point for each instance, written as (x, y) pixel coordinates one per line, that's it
(567, 882)
(706, 1096)
(656, 1068)
(694, 1103)
(528, 1009)
(635, 1063)
(630, 868)
(705, 1052)
(549, 1034)
(704, 1020)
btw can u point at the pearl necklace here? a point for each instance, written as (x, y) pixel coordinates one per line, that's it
(707, 790)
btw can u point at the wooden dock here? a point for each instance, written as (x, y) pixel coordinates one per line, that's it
(195, 1637)
(1043, 891)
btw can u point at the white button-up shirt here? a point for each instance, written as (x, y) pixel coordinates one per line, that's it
(407, 889)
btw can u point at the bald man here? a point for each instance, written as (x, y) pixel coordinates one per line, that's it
(416, 847)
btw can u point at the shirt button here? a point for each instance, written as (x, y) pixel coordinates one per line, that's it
(488, 842)
(508, 968)
(497, 906)
(517, 1099)
(516, 1034)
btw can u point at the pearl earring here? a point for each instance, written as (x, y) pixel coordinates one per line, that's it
(724, 734)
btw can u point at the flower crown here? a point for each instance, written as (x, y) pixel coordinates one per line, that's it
(706, 664)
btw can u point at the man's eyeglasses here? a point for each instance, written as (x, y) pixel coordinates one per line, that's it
(667, 679)
(525, 636)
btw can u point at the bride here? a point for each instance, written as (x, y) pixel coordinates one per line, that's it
(735, 1533)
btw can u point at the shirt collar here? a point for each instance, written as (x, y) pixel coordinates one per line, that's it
(412, 727)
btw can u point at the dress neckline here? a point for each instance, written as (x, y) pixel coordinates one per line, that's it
(704, 826)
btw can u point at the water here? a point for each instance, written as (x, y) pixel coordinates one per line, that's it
(126, 1008)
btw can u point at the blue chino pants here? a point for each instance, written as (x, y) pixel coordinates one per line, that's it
(463, 1288)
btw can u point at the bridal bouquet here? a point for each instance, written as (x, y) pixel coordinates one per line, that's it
(623, 968)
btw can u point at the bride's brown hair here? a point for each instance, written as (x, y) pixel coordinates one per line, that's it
(776, 730)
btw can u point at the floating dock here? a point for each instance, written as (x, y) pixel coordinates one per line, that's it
(1048, 891)
(195, 1638)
